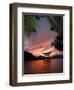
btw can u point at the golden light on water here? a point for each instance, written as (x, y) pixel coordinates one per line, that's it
(44, 66)
(38, 65)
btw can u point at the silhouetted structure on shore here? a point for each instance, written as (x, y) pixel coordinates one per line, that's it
(28, 57)
(47, 54)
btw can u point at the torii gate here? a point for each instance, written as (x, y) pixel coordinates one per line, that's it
(47, 54)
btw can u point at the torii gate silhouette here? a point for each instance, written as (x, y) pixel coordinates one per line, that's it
(47, 54)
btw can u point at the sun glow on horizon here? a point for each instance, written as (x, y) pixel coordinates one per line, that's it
(52, 51)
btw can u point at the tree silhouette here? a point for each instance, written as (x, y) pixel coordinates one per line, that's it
(58, 42)
(30, 23)
(57, 26)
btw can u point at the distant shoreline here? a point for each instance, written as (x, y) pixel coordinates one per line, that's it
(53, 57)
(28, 57)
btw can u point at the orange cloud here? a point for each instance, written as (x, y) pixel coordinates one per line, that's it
(35, 49)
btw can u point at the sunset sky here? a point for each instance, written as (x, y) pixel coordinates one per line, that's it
(39, 42)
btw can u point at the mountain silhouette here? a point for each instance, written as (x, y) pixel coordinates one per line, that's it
(29, 56)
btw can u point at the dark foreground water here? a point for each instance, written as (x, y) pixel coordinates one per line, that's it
(43, 66)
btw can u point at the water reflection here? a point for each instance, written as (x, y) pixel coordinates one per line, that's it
(43, 66)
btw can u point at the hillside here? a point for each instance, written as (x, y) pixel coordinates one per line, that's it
(29, 56)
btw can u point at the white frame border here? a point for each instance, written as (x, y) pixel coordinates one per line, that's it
(43, 77)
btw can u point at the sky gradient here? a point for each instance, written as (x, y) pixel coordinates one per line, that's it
(40, 42)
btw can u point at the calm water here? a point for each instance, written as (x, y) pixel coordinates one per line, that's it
(43, 66)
